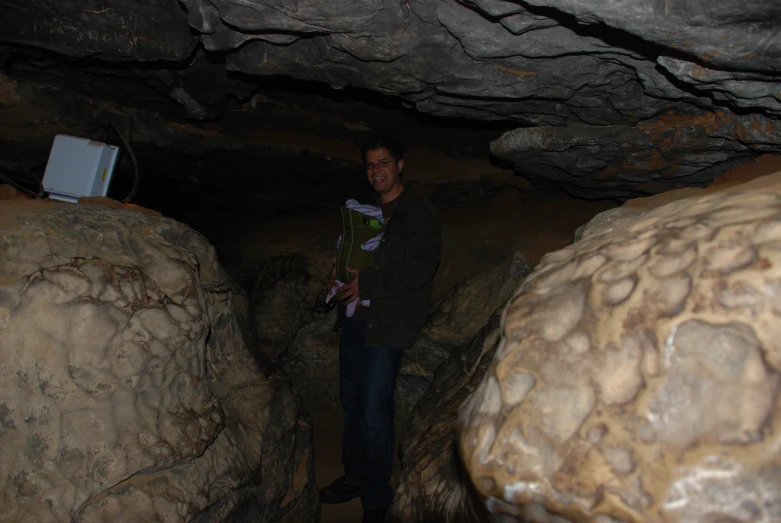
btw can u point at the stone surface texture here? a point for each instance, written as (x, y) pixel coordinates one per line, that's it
(631, 96)
(287, 295)
(455, 320)
(611, 161)
(433, 485)
(638, 371)
(128, 391)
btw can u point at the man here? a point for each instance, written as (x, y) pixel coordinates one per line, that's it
(398, 288)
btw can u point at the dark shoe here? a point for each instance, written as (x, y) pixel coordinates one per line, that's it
(340, 491)
(374, 516)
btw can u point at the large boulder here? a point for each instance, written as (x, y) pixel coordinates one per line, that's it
(637, 377)
(128, 391)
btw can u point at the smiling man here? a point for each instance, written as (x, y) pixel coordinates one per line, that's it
(398, 288)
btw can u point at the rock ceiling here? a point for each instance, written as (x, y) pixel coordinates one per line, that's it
(612, 98)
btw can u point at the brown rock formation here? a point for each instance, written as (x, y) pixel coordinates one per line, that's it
(434, 485)
(638, 372)
(128, 392)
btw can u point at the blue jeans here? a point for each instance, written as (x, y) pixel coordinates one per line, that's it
(367, 381)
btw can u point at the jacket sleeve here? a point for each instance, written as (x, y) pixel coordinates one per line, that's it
(424, 242)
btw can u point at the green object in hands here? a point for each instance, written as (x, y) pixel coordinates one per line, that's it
(357, 229)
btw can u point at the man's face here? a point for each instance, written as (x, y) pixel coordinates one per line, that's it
(382, 171)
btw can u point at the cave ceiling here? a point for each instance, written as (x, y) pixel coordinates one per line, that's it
(606, 98)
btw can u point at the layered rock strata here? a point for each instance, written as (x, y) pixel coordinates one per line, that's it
(587, 78)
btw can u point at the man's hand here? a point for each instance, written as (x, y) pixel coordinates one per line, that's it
(332, 276)
(349, 293)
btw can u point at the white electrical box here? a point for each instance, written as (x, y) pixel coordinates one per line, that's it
(79, 167)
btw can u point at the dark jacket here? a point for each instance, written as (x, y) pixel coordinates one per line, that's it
(400, 283)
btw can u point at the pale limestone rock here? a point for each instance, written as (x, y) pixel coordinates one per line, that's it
(638, 375)
(127, 389)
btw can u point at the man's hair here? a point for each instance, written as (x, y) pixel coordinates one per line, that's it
(382, 140)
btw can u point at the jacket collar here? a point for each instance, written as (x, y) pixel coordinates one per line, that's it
(399, 198)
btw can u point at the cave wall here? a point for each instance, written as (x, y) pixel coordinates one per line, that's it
(611, 98)
(289, 149)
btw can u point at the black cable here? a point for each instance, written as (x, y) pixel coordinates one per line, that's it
(18, 187)
(136, 175)
(13, 174)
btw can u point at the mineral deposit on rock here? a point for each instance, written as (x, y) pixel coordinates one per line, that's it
(637, 377)
(127, 390)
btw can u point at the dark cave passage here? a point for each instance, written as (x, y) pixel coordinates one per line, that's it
(586, 318)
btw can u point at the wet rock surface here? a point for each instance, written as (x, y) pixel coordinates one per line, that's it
(128, 389)
(638, 371)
